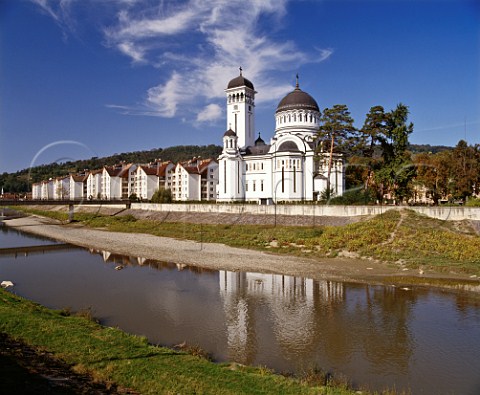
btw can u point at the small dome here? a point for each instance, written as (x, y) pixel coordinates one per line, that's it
(296, 100)
(259, 141)
(240, 81)
(229, 133)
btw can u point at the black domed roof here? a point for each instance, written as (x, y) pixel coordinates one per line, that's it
(240, 81)
(297, 99)
(229, 133)
(259, 141)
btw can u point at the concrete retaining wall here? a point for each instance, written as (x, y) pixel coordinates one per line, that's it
(445, 213)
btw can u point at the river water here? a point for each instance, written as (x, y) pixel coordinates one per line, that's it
(423, 340)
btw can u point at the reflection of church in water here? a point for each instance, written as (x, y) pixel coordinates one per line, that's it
(290, 303)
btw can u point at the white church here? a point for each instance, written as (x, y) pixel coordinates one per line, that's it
(285, 169)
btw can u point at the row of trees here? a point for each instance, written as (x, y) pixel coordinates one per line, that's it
(452, 174)
(380, 163)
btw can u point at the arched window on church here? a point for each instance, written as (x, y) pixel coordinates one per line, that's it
(241, 96)
(294, 117)
(289, 118)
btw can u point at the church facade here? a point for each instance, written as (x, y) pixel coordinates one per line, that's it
(286, 168)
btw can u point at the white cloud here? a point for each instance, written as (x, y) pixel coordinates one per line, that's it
(163, 100)
(60, 11)
(132, 29)
(135, 52)
(199, 46)
(212, 112)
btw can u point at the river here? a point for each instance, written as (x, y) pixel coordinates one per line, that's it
(418, 339)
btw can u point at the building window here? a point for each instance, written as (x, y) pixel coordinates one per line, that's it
(246, 186)
(253, 186)
(261, 185)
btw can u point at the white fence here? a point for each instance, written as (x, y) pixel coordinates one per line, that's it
(441, 212)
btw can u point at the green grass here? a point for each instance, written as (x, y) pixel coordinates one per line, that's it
(112, 356)
(419, 241)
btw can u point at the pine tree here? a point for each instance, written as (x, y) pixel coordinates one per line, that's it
(336, 134)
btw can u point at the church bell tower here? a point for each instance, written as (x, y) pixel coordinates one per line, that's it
(241, 110)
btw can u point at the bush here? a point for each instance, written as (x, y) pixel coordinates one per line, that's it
(162, 195)
(352, 197)
(133, 197)
(473, 202)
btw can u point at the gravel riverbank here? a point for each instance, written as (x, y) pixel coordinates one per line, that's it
(208, 255)
(221, 257)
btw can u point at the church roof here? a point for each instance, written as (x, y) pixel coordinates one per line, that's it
(289, 146)
(229, 133)
(297, 99)
(257, 150)
(259, 141)
(240, 81)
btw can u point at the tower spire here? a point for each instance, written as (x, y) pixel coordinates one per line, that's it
(240, 68)
(297, 86)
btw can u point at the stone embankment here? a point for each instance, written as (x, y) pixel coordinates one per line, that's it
(295, 215)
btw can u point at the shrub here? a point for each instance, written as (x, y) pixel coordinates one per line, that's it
(352, 197)
(162, 195)
(473, 202)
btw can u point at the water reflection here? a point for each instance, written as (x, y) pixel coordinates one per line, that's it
(419, 339)
(318, 318)
(126, 260)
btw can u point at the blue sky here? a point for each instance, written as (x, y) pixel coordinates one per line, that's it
(83, 78)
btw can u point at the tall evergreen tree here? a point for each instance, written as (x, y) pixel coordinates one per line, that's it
(397, 169)
(335, 134)
(372, 130)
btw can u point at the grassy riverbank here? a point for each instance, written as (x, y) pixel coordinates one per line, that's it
(112, 356)
(400, 237)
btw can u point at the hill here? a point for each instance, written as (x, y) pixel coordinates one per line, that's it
(432, 149)
(21, 180)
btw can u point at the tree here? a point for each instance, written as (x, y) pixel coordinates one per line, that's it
(373, 129)
(162, 195)
(336, 133)
(397, 169)
(465, 175)
(368, 157)
(429, 174)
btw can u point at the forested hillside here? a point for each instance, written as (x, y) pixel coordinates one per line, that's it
(21, 180)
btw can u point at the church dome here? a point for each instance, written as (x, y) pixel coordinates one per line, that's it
(229, 133)
(296, 100)
(259, 141)
(240, 81)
